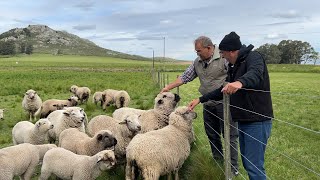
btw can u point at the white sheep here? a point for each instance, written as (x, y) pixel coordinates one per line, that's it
(83, 93)
(51, 105)
(158, 117)
(97, 97)
(21, 160)
(80, 143)
(68, 165)
(26, 132)
(31, 103)
(123, 112)
(2, 114)
(69, 117)
(162, 151)
(118, 98)
(123, 130)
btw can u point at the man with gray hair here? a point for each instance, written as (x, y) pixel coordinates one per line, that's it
(212, 72)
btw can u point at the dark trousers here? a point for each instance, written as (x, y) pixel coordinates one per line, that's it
(214, 126)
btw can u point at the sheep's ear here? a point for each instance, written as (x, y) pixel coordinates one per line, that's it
(99, 137)
(124, 121)
(67, 113)
(100, 158)
(38, 124)
(35, 92)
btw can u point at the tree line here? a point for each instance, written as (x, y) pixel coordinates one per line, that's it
(288, 52)
(10, 48)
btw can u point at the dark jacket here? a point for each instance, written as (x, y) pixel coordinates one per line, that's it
(251, 70)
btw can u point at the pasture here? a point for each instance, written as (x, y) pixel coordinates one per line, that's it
(292, 152)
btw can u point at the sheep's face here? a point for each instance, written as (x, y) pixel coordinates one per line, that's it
(44, 125)
(106, 139)
(76, 114)
(1, 114)
(184, 113)
(74, 100)
(30, 94)
(166, 100)
(73, 88)
(132, 122)
(59, 106)
(106, 159)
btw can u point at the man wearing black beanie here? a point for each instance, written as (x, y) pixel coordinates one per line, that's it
(248, 85)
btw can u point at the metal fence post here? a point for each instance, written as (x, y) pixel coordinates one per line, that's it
(227, 159)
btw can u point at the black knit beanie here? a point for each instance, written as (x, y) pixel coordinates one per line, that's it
(230, 42)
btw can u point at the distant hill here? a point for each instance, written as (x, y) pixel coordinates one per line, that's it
(46, 40)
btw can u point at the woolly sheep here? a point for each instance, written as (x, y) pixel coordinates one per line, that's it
(21, 160)
(97, 97)
(82, 93)
(31, 103)
(162, 151)
(80, 143)
(158, 117)
(70, 117)
(67, 165)
(119, 98)
(51, 105)
(26, 132)
(123, 130)
(121, 113)
(2, 114)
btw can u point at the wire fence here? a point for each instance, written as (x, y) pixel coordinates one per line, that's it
(163, 79)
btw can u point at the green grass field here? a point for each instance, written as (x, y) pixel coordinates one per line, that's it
(295, 93)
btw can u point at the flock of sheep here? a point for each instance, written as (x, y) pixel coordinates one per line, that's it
(150, 143)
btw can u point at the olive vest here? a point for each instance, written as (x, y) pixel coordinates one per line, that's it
(211, 76)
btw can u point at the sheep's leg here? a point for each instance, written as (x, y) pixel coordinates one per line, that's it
(29, 172)
(169, 176)
(176, 175)
(129, 171)
(150, 174)
(44, 175)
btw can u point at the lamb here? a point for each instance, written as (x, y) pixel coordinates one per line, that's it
(31, 103)
(2, 114)
(82, 93)
(70, 117)
(158, 117)
(97, 97)
(123, 130)
(21, 160)
(67, 165)
(119, 98)
(51, 105)
(80, 143)
(26, 132)
(162, 151)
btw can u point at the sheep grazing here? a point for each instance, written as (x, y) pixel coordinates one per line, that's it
(97, 97)
(31, 103)
(123, 130)
(26, 132)
(51, 105)
(2, 114)
(163, 151)
(67, 165)
(21, 160)
(80, 143)
(70, 117)
(118, 98)
(82, 93)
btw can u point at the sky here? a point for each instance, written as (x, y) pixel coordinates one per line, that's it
(169, 27)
